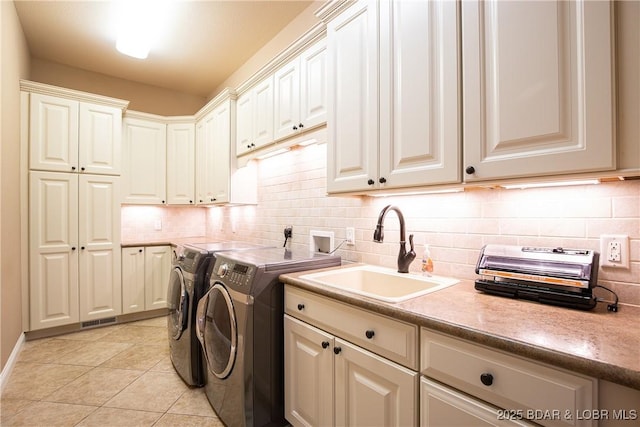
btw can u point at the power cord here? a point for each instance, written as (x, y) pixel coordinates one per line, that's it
(613, 307)
(337, 247)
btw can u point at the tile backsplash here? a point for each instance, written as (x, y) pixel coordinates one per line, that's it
(292, 191)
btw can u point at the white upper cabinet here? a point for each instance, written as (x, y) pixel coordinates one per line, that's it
(181, 156)
(352, 119)
(300, 88)
(394, 114)
(419, 94)
(144, 161)
(538, 88)
(254, 125)
(67, 135)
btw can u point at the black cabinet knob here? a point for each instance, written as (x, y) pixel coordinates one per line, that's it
(486, 379)
(163, 202)
(295, 127)
(190, 201)
(82, 248)
(370, 333)
(371, 182)
(325, 344)
(73, 248)
(300, 125)
(140, 250)
(73, 168)
(248, 145)
(300, 307)
(82, 168)
(337, 350)
(213, 199)
(470, 170)
(200, 200)
(382, 180)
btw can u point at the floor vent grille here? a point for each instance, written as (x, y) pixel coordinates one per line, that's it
(98, 322)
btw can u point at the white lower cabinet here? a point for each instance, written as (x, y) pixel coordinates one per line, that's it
(331, 381)
(443, 406)
(476, 377)
(145, 277)
(74, 235)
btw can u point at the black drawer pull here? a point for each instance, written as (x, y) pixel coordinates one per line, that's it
(370, 333)
(486, 379)
(300, 307)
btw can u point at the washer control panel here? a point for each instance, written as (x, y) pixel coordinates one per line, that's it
(235, 274)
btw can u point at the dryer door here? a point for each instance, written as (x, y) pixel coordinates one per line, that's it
(217, 328)
(178, 302)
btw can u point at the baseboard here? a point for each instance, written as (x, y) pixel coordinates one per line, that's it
(13, 358)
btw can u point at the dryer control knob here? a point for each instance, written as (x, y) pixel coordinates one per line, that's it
(223, 270)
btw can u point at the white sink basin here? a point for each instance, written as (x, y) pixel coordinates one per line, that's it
(380, 283)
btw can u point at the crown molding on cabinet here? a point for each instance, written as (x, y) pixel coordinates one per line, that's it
(227, 93)
(307, 39)
(45, 89)
(332, 8)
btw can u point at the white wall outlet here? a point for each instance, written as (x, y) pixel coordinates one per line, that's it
(614, 250)
(350, 236)
(157, 225)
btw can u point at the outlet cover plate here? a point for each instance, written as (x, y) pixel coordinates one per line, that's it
(614, 251)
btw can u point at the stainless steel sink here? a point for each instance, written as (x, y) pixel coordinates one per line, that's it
(380, 283)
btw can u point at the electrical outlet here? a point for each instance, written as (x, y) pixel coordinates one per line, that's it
(157, 225)
(350, 236)
(614, 250)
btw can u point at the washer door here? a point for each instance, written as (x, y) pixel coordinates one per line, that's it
(178, 303)
(219, 334)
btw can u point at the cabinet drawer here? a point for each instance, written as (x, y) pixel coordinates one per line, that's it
(548, 396)
(390, 338)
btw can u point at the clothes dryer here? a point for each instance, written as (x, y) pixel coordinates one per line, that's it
(240, 326)
(186, 287)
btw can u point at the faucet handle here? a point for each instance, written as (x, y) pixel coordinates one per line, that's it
(411, 242)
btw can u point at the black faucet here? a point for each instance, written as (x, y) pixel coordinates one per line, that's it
(404, 258)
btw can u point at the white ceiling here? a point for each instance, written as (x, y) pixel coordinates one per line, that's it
(204, 42)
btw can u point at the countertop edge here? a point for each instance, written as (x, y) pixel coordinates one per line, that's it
(597, 369)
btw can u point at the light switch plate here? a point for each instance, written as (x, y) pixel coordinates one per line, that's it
(614, 250)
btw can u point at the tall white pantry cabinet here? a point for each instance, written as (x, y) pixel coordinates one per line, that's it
(74, 150)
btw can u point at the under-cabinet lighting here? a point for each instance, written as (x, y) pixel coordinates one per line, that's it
(418, 193)
(551, 184)
(273, 153)
(310, 141)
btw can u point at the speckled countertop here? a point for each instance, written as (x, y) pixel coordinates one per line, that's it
(172, 241)
(597, 343)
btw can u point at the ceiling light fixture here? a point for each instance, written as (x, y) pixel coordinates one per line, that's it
(138, 25)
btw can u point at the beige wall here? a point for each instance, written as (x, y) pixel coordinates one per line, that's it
(15, 66)
(141, 97)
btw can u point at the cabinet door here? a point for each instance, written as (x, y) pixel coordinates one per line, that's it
(99, 239)
(244, 124)
(144, 162)
(537, 102)
(181, 159)
(263, 113)
(205, 158)
(419, 93)
(441, 406)
(372, 391)
(157, 266)
(53, 133)
(100, 144)
(53, 251)
(287, 100)
(221, 143)
(313, 85)
(308, 374)
(352, 121)
(133, 280)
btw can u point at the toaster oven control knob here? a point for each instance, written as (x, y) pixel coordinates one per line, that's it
(223, 270)
(486, 379)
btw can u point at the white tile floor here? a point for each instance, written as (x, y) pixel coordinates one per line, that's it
(119, 375)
